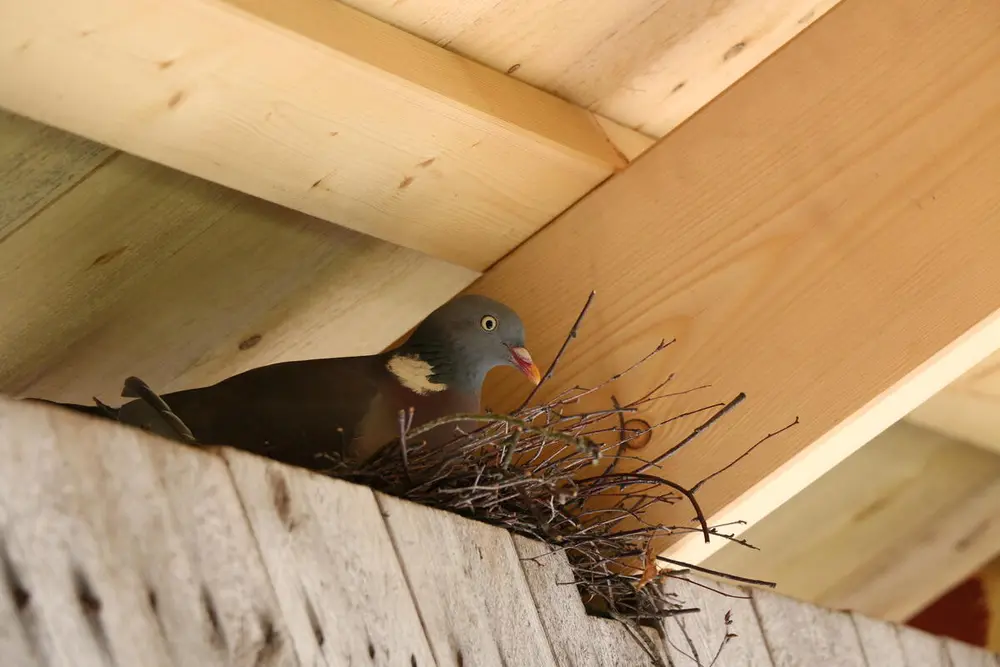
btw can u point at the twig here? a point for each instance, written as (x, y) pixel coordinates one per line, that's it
(716, 573)
(136, 388)
(572, 334)
(694, 489)
(696, 432)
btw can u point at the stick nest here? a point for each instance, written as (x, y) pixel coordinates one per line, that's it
(541, 472)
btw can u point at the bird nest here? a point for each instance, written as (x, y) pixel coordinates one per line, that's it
(552, 474)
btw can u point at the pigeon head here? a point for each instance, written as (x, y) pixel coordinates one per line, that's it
(459, 343)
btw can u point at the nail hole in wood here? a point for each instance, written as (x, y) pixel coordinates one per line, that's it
(90, 605)
(314, 622)
(15, 587)
(218, 634)
(281, 497)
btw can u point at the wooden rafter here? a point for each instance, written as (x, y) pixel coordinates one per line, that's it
(968, 408)
(312, 105)
(822, 236)
(884, 533)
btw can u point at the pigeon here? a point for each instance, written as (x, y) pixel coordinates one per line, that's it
(295, 411)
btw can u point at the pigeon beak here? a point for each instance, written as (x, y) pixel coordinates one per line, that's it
(525, 364)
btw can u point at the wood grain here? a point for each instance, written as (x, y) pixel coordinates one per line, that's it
(801, 634)
(314, 106)
(150, 272)
(576, 637)
(214, 530)
(697, 640)
(38, 164)
(885, 532)
(333, 568)
(91, 540)
(645, 63)
(469, 588)
(922, 649)
(797, 237)
(965, 655)
(968, 408)
(122, 548)
(879, 642)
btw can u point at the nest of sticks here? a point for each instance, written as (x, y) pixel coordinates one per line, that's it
(552, 474)
(557, 475)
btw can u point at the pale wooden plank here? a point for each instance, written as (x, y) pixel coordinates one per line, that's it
(922, 649)
(800, 634)
(645, 62)
(963, 538)
(37, 165)
(966, 655)
(459, 161)
(694, 640)
(879, 642)
(146, 271)
(852, 539)
(469, 587)
(768, 226)
(576, 637)
(16, 620)
(215, 532)
(91, 543)
(967, 409)
(332, 565)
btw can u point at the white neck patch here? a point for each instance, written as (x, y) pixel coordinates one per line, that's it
(414, 374)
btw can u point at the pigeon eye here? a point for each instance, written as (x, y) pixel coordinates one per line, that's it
(488, 323)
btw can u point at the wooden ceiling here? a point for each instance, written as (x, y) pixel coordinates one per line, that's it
(267, 181)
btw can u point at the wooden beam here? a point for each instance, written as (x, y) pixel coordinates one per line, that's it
(312, 105)
(968, 408)
(645, 63)
(822, 237)
(885, 532)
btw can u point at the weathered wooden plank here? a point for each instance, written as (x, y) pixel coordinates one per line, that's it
(695, 640)
(92, 544)
(966, 655)
(769, 226)
(459, 161)
(216, 534)
(800, 634)
(922, 649)
(879, 642)
(332, 565)
(38, 164)
(469, 587)
(576, 637)
(15, 620)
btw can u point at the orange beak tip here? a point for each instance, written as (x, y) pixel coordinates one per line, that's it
(524, 362)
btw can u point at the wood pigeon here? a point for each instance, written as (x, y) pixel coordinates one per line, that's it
(293, 411)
